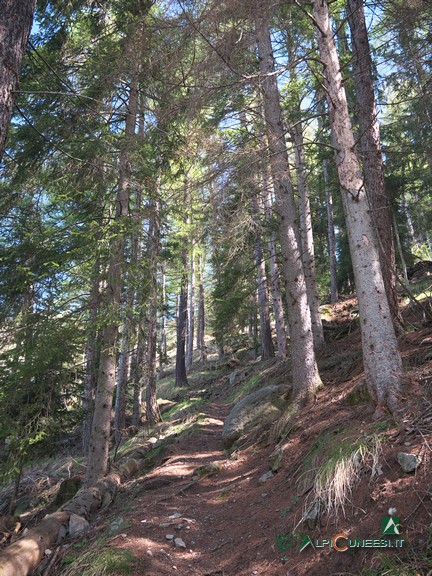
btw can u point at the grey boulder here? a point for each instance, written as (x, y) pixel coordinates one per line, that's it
(256, 411)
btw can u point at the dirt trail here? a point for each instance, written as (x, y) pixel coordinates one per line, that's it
(223, 515)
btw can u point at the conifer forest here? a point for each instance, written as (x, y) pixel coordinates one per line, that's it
(215, 240)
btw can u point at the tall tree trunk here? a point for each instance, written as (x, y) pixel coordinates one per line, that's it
(90, 378)
(122, 373)
(306, 378)
(331, 235)
(267, 348)
(276, 291)
(306, 236)
(382, 361)
(401, 255)
(152, 408)
(370, 147)
(163, 335)
(100, 436)
(201, 313)
(191, 312)
(16, 18)
(128, 313)
(137, 369)
(181, 377)
(306, 230)
(182, 315)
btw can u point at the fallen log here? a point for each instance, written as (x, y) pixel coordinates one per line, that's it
(22, 557)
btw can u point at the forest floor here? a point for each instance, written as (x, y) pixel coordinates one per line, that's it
(230, 524)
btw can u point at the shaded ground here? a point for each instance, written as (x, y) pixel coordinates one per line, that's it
(233, 526)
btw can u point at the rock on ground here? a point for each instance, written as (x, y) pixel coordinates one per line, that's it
(257, 410)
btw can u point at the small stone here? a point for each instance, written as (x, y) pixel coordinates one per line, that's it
(179, 526)
(77, 525)
(48, 552)
(149, 553)
(312, 515)
(178, 543)
(165, 524)
(187, 527)
(409, 462)
(169, 536)
(275, 459)
(174, 516)
(265, 477)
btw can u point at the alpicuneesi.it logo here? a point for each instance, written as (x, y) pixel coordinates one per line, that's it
(390, 526)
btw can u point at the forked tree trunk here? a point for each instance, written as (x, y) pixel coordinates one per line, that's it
(370, 147)
(267, 348)
(382, 360)
(275, 285)
(100, 436)
(16, 18)
(201, 312)
(305, 374)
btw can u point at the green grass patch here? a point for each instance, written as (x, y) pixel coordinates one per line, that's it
(246, 387)
(332, 467)
(191, 404)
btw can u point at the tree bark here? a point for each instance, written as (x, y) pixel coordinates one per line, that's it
(306, 236)
(163, 335)
(182, 315)
(278, 311)
(331, 236)
(100, 436)
(138, 378)
(122, 373)
(152, 408)
(191, 312)
(16, 18)
(382, 361)
(267, 348)
(201, 313)
(90, 378)
(305, 374)
(370, 147)
(128, 323)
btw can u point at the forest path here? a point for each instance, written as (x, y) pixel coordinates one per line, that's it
(215, 512)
